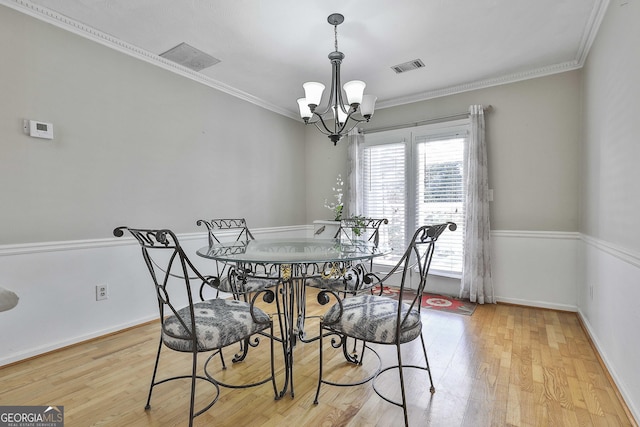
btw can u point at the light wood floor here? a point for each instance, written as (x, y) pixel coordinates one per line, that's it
(503, 366)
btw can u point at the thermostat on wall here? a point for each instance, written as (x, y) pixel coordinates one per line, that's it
(38, 129)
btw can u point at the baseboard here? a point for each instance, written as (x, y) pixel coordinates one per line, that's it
(537, 304)
(623, 396)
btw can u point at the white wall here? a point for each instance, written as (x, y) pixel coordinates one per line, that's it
(56, 285)
(609, 289)
(534, 268)
(608, 306)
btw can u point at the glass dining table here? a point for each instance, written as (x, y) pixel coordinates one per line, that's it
(290, 262)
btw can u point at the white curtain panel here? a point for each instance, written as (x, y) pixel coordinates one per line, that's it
(476, 281)
(353, 203)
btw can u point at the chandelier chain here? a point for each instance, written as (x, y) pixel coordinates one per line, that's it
(335, 34)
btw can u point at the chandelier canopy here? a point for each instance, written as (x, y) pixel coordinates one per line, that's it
(337, 118)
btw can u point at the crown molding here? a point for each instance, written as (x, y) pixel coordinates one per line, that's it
(588, 37)
(591, 30)
(61, 21)
(482, 84)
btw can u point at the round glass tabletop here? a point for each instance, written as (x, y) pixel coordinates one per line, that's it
(291, 251)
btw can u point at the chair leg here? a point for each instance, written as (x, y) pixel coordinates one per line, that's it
(273, 374)
(315, 401)
(404, 397)
(224, 366)
(432, 389)
(153, 377)
(193, 386)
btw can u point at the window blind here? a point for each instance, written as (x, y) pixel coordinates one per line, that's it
(414, 177)
(384, 190)
(440, 196)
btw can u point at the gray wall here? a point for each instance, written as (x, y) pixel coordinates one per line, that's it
(532, 142)
(610, 197)
(134, 144)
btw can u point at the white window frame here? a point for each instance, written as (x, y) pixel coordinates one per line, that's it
(410, 136)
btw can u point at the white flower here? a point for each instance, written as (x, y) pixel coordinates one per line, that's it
(338, 205)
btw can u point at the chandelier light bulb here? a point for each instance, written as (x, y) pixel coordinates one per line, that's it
(313, 93)
(368, 105)
(342, 116)
(354, 90)
(305, 111)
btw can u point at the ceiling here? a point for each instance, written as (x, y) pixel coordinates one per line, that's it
(268, 48)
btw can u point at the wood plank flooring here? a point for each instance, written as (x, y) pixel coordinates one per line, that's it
(503, 366)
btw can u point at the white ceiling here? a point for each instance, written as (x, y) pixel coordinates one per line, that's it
(268, 48)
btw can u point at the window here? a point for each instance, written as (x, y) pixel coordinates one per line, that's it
(414, 177)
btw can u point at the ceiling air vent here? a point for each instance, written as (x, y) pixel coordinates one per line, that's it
(408, 66)
(190, 57)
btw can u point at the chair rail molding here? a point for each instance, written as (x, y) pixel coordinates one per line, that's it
(70, 245)
(619, 252)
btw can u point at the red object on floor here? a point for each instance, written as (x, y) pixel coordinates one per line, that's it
(447, 303)
(432, 301)
(386, 291)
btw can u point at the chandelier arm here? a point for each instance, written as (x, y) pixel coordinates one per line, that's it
(344, 125)
(326, 130)
(355, 118)
(328, 108)
(322, 131)
(351, 128)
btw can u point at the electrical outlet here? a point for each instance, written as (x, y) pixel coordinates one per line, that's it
(102, 292)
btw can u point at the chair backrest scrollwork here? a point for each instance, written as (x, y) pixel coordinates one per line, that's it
(226, 229)
(171, 272)
(361, 228)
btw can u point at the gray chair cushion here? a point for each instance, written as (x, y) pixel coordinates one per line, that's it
(219, 323)
(372, 318)
(252, 284)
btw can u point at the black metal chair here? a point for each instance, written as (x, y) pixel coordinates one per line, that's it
(383, 320)
(196, 327)
(353, 230)
(229, 230)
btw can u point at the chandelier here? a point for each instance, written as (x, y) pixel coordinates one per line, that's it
(337, 118)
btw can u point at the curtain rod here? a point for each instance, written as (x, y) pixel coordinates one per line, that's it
(457, 116)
